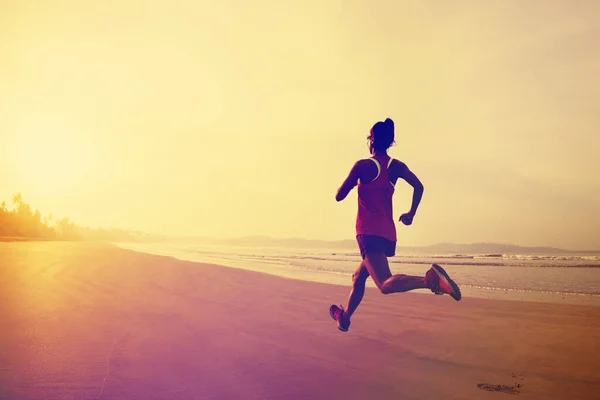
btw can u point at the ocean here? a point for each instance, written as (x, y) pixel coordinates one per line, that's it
(548, 278)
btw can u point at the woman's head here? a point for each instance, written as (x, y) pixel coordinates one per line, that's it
(382, 136)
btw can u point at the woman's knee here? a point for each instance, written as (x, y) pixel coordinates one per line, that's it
(385, 288)
(359, 279)
(361, 274)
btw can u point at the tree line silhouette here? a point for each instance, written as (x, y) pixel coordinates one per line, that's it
(21, 221)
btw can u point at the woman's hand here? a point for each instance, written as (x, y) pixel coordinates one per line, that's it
(407, 218)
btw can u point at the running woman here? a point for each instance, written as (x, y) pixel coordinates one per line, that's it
(376, 178)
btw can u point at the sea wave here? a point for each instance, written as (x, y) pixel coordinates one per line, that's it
(500, 264)
(514, 263)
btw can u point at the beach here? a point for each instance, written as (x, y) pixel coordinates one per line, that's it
(93, 321)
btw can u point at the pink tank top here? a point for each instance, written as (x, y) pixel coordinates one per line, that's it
(375, 214)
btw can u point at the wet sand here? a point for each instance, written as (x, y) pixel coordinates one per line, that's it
(91, 321)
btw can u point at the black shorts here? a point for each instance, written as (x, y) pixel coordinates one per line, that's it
(375, 244)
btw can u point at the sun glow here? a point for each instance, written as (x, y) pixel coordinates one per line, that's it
(47, 158)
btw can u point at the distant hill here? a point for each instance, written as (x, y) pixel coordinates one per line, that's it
(440, 248)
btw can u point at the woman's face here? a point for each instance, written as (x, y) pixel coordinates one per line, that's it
(370, 142)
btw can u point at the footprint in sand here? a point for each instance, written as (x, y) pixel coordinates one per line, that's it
(499, 388)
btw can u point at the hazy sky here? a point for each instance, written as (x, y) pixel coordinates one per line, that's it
(227, 118)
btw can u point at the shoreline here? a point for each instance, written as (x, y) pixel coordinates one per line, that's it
(344, 279)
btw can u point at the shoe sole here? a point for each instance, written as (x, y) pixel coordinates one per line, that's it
(335, 319)
(456, 295)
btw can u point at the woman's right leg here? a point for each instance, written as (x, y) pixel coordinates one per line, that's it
(379, 269)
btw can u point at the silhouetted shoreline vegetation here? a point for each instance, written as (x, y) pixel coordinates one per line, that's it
(21, 222)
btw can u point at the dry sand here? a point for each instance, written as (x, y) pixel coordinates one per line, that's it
(85, 321)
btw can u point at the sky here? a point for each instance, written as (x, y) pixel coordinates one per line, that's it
(232, 118)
